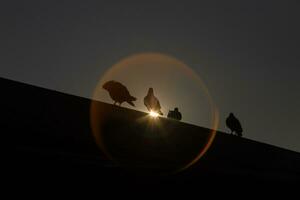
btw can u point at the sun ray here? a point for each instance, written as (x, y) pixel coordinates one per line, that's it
(153, 114)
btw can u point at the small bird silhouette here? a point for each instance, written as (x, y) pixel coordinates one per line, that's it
(175, 114)
(118, 92)
(152, 103)
(234, 125)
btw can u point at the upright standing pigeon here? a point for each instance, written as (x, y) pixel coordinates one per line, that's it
(234, 125)
(118, 92)
(152, 103)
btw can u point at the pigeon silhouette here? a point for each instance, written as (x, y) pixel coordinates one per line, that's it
(175, 114)
(152, 103)
(234, 125)
(118, 92)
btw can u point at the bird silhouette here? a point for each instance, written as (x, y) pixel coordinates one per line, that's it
(234, 125)
(152, 103)
(118, 92)
(175, 114)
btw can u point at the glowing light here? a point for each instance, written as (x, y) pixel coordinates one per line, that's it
(153, 114)
(166, 74)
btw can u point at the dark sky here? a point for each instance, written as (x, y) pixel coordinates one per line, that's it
(247, 52)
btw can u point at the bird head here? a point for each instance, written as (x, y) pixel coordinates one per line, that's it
(150, 91)
(108, 85)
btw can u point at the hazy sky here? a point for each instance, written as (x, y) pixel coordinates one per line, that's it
(247, 52)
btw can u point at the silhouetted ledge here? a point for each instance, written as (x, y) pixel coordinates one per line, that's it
(50, 131)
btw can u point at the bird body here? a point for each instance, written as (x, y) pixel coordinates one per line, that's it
(234, 125)
(119, 93)
(152, 103)
(175, 114)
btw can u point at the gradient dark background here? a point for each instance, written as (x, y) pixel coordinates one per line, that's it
(247, 52)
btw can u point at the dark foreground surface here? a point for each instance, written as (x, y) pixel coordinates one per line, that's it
(50, 138)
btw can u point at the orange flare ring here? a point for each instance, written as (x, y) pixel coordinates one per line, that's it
(95, 118)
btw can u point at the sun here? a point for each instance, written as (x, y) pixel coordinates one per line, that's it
(175, 85)
(153, 114)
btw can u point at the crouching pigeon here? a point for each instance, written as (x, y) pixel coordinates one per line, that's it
(119, 93)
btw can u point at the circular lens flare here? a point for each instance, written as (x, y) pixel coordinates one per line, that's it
(130, 138)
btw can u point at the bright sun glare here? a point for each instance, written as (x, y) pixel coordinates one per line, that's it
(153, 114)
(175, 85)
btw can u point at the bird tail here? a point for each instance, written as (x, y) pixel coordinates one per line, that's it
(131, 103)
(239, 133)
(131, 99)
